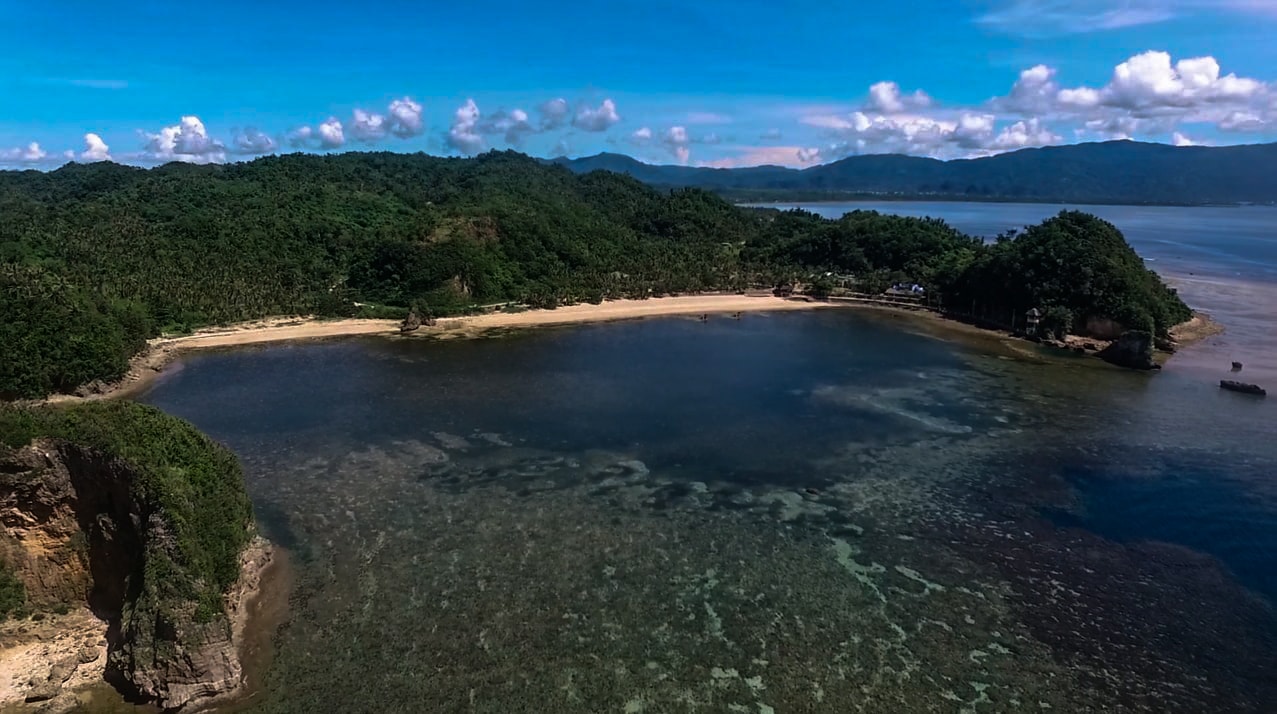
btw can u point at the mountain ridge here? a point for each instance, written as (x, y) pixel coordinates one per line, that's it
(1103, 172)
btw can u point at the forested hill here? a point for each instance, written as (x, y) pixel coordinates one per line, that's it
(1124, 172)
(95, 259)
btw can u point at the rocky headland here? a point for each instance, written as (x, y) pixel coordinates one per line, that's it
(127, 555)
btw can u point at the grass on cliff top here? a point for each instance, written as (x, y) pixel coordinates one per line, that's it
(193, 483)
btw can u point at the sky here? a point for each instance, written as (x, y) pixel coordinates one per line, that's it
(699, 82)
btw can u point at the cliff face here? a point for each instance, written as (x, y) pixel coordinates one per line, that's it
(76, 530)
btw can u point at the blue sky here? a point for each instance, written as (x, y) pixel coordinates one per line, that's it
(719, 83)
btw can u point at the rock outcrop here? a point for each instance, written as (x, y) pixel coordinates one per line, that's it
(1134, 350)
(76, 530)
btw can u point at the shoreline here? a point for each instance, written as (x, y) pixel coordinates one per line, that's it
(148, 365)
(161, 352)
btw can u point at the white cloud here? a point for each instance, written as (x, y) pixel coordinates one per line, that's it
(252, 142)
(1179, 139)
(463, 135)
(601, 118)
(641, 135)
(95, 149)
(367, 127)
(330, 134)
(554, 114)
(29, 154)
(1243, 121)
(758, 156)
(885, 98)
(186, 141)
(1149, 80)
(1023, 134)
(808, 155)
(513, 125)
(405, 118)
(300, 137)
(562, 147)
(1149, 93)
(676, 142)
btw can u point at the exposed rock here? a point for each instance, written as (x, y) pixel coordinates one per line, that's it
(411, 322)
(44, 692)
(73, 532)
(1134, 350)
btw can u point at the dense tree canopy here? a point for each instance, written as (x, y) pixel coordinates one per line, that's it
(94, 259)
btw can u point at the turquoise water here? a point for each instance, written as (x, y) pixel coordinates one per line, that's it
(826, 512)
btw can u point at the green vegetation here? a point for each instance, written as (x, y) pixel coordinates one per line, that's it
(176, 474)
(1072, 267)
(13, 597)
(94, 259)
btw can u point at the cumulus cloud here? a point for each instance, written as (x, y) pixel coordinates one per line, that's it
(331, 134)
(252, 142)
(367, 127)
(676, 141)
(641, 135)
(554, 114)
(1145, 88)
(300, 137)
(29, 154)
(885, 98)
(1179, 139)
(405, 119)
(1149, 95)
(596, 119)
(1243, 121)
(562, 147)
(95, 149)
(1149, 80)
(186, 141)
(1024, 134)
(513, 126)
(463, 135)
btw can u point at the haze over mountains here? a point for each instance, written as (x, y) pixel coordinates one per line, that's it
(1125, 172)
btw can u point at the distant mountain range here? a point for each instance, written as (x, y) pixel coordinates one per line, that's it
(1125, 172)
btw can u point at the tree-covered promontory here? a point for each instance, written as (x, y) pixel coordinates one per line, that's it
(95, 259)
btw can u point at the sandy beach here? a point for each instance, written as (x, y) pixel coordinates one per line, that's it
(162, 351)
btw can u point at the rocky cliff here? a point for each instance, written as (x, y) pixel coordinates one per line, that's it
(1134, 350)
(84, 525)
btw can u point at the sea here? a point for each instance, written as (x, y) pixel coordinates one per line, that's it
(826, 511)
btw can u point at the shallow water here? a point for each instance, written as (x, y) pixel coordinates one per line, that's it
(795, 512)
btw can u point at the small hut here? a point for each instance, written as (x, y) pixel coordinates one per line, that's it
(1031, 319)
